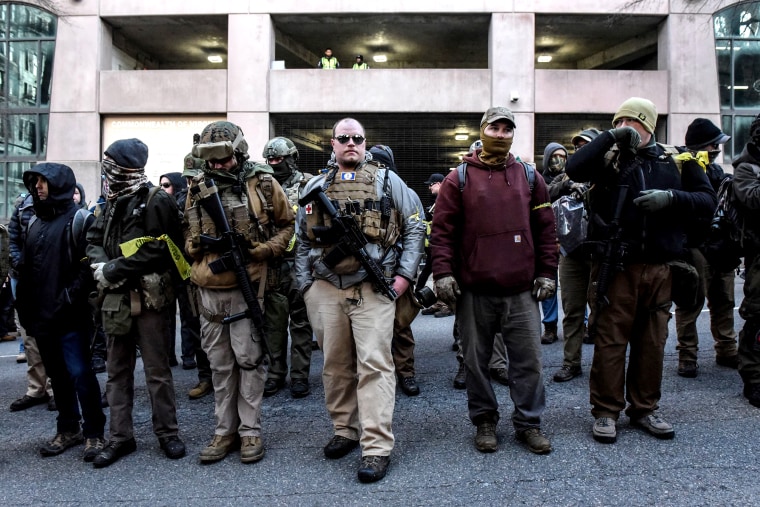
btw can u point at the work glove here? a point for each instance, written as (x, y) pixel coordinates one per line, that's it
(447, 290)
(626, 138)
(543, 288)
(261, 252)
(103, 283)
(653, 200)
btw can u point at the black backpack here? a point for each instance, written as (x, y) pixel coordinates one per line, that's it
(724, 246)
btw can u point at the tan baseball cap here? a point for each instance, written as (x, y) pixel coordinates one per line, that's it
(498, 113)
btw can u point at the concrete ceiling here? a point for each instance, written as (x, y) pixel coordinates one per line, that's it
(409, 41)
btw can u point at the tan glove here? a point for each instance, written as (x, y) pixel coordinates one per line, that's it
(447, 290)
(543, 288)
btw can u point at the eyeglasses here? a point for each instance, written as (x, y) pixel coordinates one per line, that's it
(166, 184)
(219, 161)
(343, 139)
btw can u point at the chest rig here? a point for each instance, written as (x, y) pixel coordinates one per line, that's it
(356, 196)
(240, 211)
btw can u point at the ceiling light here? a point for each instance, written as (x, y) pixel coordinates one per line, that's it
(215, 59)
(380, 58)
(461, 137)
(544, 58)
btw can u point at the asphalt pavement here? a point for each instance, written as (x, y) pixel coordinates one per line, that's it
(713, 459)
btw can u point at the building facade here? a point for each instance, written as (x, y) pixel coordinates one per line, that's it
(77, 74)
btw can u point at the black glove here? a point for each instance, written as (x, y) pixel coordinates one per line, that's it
(626, 137)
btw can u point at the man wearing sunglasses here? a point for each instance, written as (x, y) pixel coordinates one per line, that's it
(352, 320)
(258, 211)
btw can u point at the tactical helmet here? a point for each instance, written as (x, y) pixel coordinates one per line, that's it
(193, 166)
(221, 139)
(280, 147)
(476, 146)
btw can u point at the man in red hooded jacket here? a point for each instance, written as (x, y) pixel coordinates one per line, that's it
(494, 272)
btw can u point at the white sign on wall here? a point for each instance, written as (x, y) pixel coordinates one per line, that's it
(169, 138)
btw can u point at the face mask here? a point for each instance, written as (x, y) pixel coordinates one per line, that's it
(281, 171)
(495, 151)
(557, 164)
(712, 155)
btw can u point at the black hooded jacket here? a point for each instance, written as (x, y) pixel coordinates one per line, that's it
(53, 281)
(180, 187)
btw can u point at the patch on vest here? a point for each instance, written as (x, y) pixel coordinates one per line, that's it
(348, 176)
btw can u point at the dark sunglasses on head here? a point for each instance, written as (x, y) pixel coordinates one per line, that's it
(343, 139)
(166, 184)
(221, 161)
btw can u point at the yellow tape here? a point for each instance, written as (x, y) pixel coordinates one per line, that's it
(131, 247)
(544, 205)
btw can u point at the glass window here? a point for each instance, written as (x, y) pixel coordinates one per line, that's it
(27, 47)
(737, 49)
(29, 22)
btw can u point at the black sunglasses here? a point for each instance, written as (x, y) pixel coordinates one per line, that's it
(343, 139)
(166, 184)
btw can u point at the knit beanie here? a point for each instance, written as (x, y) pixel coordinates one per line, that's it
(642, 110)
(129, 153)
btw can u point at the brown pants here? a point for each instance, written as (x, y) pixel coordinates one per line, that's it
(637, 316)
(149, 333)
(718, 288)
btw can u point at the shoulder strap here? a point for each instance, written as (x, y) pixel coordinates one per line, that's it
(153, 191)
(462, 175)
(530, 174)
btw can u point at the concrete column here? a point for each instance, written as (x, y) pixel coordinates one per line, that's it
(686, 48)
(251, 50)
(74, 129)
(511, 60)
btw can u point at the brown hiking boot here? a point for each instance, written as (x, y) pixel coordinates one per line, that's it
(485, 438)
(220, 446)
(60, 443)
(550, 333)
(535, 440)
(251, 449)
(203, 388)
(687, 369)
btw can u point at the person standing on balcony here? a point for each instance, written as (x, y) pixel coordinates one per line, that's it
(328, 61)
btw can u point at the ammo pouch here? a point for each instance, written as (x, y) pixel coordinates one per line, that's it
(157, 290)
(685, 288)
(379, 229)
(117, 313)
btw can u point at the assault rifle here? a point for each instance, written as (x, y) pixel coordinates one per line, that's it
(234, 258)
(349, 238)
(613, 252)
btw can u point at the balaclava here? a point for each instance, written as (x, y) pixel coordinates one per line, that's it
(495, 151)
